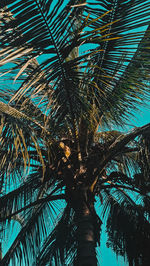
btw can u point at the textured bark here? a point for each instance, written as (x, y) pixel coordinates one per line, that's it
(86, 237)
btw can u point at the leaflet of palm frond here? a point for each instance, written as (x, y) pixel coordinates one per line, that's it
(118, 144)
(1, 181)
(146, 201)
(123, 140)
(107, 137)
(59, 50)
(24, 195)
(144, 157)
(25, 104)
(40, 200)
(35, 228)
(78, 17)
(119, 177)
(30, 108)
(32, 83)
(128, 232)
(17, 196)
(126, 160)
(10, 153)
(25, 64)
(17, 135)
(121, 89)
(6, 109)
(58, 57)
(36, 88)
(38, 6)
(59, 247)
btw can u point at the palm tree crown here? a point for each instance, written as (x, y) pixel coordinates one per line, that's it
(80, 69)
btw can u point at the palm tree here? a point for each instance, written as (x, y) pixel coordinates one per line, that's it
(80, 70)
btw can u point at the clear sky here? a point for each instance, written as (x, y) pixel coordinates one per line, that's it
(108, 258)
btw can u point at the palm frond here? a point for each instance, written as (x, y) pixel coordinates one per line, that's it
(127, 230)
(60, 246)
(120, 76)
(114, 23)
(15, 199)
(14, 113)
(35, 227)
(55, 64)
(125, 139)
(27, 194)
(116, 151)
(144, 156)
(16, 140)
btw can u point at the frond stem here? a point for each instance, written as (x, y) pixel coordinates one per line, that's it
(68, 94)
(118, 186)
(37, 202)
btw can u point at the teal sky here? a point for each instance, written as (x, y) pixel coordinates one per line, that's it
(107, 256)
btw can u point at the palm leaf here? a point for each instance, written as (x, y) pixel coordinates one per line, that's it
(59, 246)
(48, 29)
(18, 199)
(127, 231)
(121, 90)
(16, 140)
(121, 141)
(34, 228)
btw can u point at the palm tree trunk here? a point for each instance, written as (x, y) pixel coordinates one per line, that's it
(86, 238)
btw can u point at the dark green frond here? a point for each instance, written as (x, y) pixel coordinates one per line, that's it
(15, 200)
(60, 246)
(125, 139)
(128, 233)
(144, 156)
(36, 225)
(120, 76)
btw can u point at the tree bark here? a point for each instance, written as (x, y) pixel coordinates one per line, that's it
(86, 237)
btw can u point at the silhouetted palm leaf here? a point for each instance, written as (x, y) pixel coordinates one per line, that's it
(59, 246)
(128, 233)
